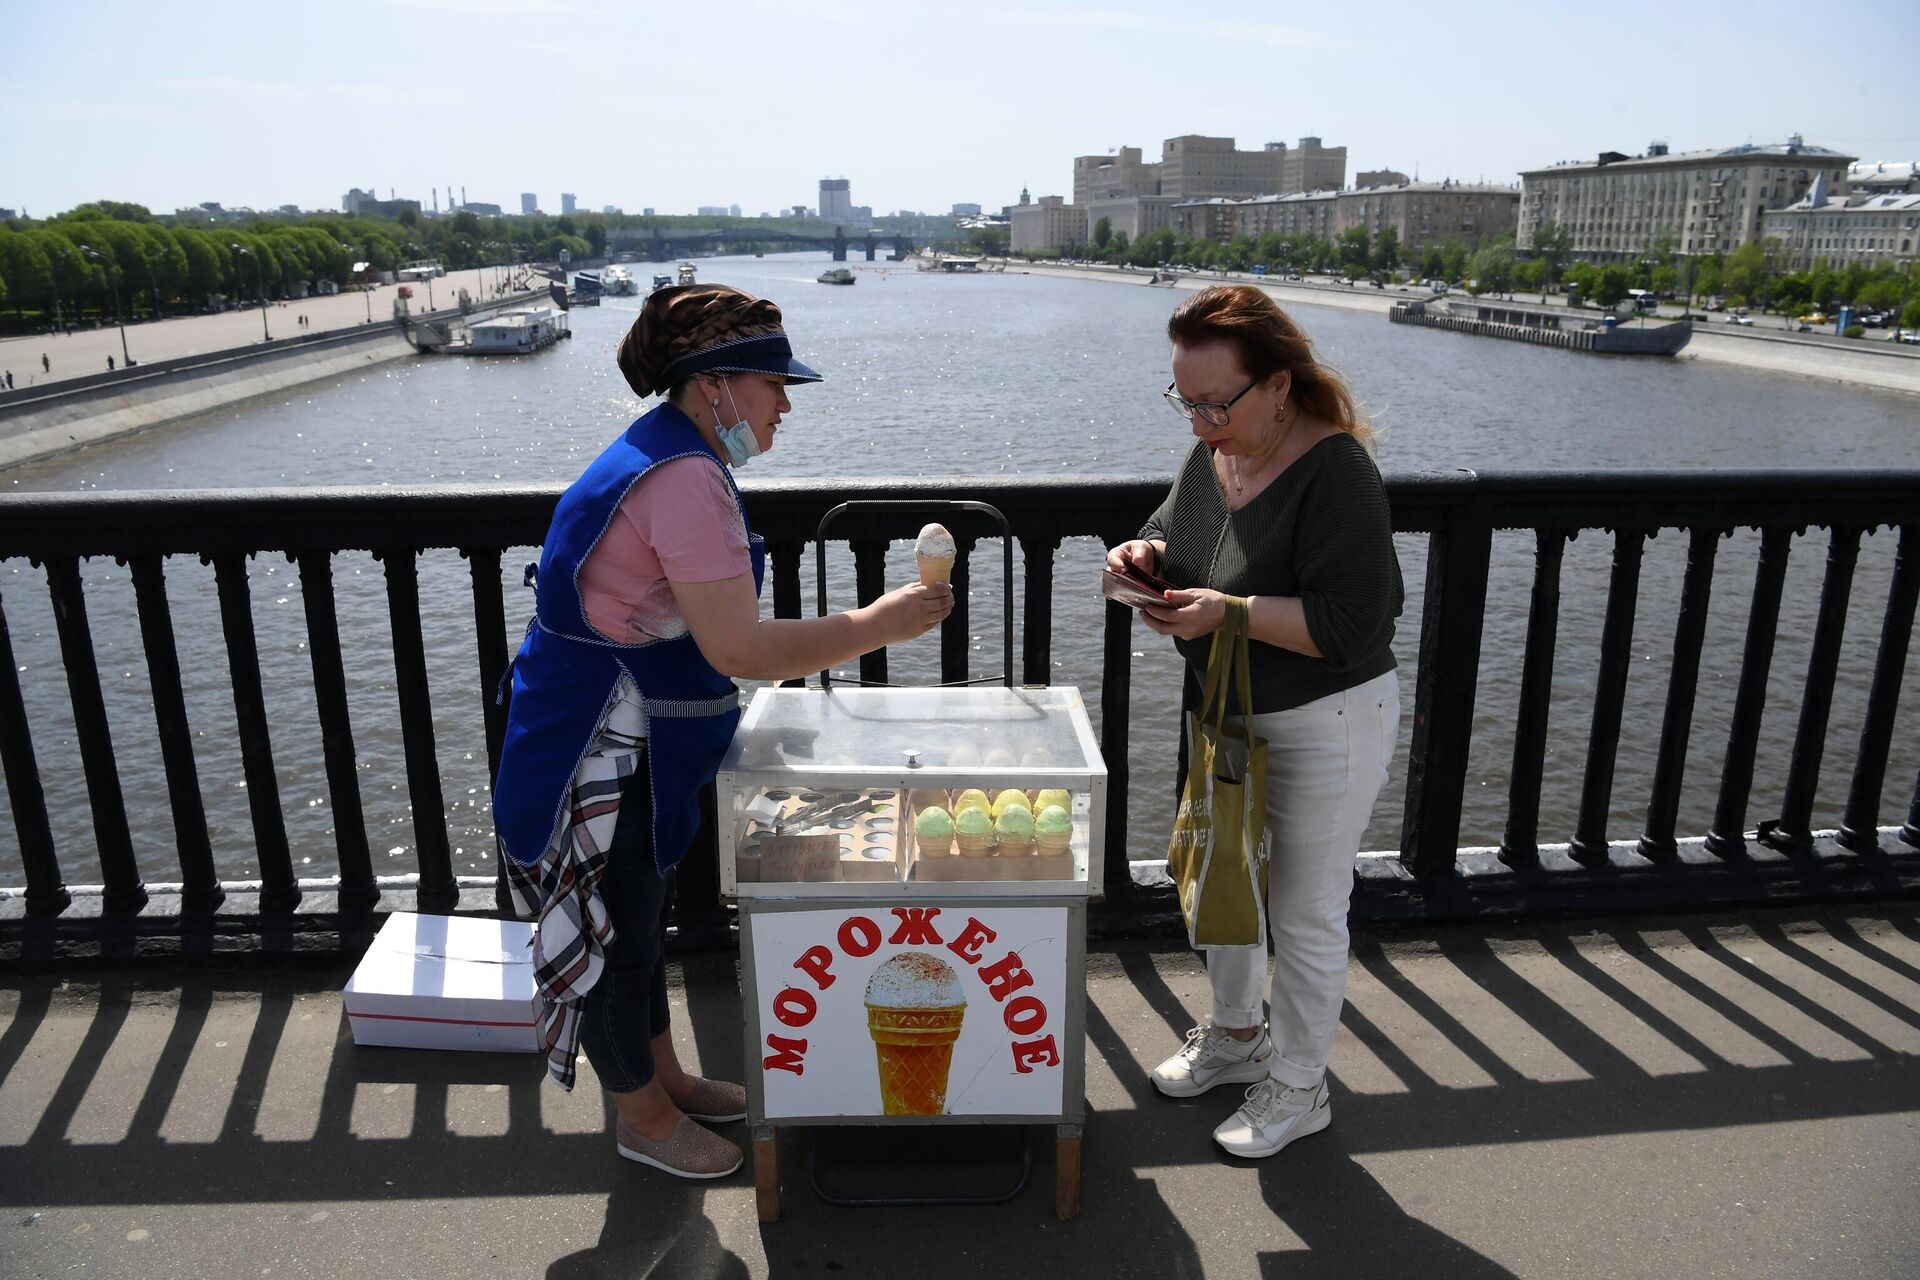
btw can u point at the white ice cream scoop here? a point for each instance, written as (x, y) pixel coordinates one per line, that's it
(935, 550)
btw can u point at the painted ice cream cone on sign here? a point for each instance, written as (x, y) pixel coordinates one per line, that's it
(914, 1012)
(935, 550)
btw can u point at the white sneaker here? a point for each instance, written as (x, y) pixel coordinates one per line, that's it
(1212, 1057)
(1274, 1115)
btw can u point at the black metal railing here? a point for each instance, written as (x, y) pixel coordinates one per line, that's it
(1458, 513)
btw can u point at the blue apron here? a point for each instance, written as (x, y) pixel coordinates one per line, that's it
(566, 675)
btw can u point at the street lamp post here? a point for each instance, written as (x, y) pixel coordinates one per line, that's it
(113, 280)
(260, 273)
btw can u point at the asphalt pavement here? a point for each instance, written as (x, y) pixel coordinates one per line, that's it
(1694, 1097)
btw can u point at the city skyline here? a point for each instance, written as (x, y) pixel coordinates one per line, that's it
(937, 116)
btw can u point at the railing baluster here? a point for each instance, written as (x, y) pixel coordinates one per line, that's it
(490, 622)
(279, 890)
(955, 646)
(1727, 837)
(786, 588)
(490, 626)
(1589, 843)
(870, 583)
(201, 893)
(1860, 830)
(119, 870)
(1794, 832)
(358, 892)
(1910, 830)
(1520, 848)
(437, 892)
(1676, 725)
(1036, 633)
(1116, 696)
(46, 893)
(1455, 604)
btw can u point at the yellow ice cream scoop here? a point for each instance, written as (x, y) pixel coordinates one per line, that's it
(1052, 795)
(1010, 799)
(972, 798)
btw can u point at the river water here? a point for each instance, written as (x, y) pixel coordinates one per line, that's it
(960, 377)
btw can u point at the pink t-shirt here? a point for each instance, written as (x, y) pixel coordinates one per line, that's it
(680, 523)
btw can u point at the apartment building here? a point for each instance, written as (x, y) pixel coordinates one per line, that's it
(1425, 213)
(1871, 229)
(1419, 213)
(1298, 213)
(1616, 207)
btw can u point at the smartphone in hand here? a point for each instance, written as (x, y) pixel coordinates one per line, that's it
(1135, 587)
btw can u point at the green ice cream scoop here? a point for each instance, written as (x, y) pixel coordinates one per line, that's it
(973, 822)
(1014, 823)
(933, 821)
(1053, 821)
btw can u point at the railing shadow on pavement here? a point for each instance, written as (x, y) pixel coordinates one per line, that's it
(233, 1087)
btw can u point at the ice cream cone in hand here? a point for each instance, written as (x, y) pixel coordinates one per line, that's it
(935, 550)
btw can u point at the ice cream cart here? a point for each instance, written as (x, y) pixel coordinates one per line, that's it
(912, 867)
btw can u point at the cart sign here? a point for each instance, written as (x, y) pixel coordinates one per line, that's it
(910, 1011)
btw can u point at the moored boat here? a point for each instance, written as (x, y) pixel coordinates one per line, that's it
(517, 331)
(1546, 326)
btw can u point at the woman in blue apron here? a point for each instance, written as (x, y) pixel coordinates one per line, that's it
(647, 609)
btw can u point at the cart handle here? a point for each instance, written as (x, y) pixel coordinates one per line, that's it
(922, 505)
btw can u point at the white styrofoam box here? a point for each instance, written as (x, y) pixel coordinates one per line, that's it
(446, 982)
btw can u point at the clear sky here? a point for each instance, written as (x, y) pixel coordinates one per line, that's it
(638, 103)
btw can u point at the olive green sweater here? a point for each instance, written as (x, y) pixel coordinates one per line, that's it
(1320, 531)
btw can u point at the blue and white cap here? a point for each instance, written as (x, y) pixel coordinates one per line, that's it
(768, 353)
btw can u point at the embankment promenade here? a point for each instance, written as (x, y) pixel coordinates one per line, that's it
(1856, 362)
(191, 365)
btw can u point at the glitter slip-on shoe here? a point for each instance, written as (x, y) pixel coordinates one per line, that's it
(715, 1101)
(691, 1152)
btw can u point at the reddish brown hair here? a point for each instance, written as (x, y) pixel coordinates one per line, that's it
(683, 318)
(1268, 342)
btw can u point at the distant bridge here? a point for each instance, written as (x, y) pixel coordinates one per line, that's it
(659, 244)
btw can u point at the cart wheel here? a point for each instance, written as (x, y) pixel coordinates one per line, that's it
(1066, 1172)
(766, 1175)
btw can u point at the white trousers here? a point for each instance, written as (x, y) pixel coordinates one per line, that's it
(1326, 763)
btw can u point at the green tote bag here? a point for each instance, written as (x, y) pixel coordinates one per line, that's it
(1218, 854)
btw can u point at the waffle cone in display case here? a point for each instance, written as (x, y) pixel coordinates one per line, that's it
(914, 1013)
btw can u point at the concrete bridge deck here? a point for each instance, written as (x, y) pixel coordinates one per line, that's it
(1698, 1097)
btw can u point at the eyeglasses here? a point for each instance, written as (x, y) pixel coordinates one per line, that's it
(1209, 410)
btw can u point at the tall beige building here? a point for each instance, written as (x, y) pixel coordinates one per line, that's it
(1193, 167)
(1134, 215)
(1048, 223)
(1114, 176)
(1617, 207)
(1312, 167)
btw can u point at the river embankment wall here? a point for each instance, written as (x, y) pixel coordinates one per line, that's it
(72, 414)
(1855, 362)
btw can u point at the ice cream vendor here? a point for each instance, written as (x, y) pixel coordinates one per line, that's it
(622, 701)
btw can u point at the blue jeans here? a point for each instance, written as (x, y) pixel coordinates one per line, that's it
(627, 1008)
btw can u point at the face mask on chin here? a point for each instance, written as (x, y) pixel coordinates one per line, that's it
(737, 443)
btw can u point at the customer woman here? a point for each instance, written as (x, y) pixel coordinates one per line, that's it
(1279, 503)
(646, 605)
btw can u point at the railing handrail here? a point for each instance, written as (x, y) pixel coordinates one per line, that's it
(90, 523)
